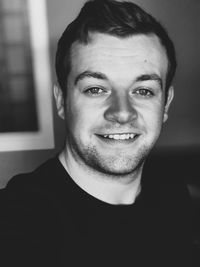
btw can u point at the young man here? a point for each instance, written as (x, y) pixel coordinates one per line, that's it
(94, 205)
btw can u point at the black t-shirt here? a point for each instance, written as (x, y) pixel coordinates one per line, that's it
(47, 220)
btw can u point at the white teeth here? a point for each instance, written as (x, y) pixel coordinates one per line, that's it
(119, 136)
(116, 136)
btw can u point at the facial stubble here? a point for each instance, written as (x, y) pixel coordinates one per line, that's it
(112, 165)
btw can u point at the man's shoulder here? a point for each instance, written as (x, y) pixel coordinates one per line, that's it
(43, 178)
(31, 213)
(37, 192)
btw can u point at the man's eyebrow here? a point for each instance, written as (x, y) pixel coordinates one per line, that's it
(102, 76)
(90, 74)
(150, 77)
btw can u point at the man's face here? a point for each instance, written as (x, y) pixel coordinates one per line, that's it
(115, 102)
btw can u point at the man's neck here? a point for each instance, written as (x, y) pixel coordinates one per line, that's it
(117, 191)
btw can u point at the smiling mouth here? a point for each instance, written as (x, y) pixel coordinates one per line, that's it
(119, 137)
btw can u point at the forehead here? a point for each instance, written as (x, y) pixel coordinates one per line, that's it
(109, 54)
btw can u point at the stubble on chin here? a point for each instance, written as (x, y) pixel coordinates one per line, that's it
(118, 165)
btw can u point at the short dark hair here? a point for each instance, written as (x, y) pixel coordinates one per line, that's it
(120, 19)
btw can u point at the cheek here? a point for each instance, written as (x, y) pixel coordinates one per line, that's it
(80, 118)
(157, 121)
(72, 115)
(153, 118)
(74, 119)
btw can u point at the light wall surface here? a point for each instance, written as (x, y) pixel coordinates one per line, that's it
(182, 129)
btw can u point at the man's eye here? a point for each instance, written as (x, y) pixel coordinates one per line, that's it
(94, 91)
(144, 92)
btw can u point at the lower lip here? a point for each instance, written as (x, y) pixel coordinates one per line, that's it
(118, 141)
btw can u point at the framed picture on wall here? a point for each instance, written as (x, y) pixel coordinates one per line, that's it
(26, 121)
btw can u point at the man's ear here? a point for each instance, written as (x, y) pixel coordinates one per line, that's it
(58, 94)
(170, 97)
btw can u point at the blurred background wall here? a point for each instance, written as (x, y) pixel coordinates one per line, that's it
(182, 130)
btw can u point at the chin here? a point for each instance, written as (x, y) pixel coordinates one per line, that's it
(114, 164)
(117, 167)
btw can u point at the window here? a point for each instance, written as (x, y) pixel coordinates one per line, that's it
(25, 83)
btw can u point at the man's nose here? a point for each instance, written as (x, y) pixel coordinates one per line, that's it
(120, 110)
